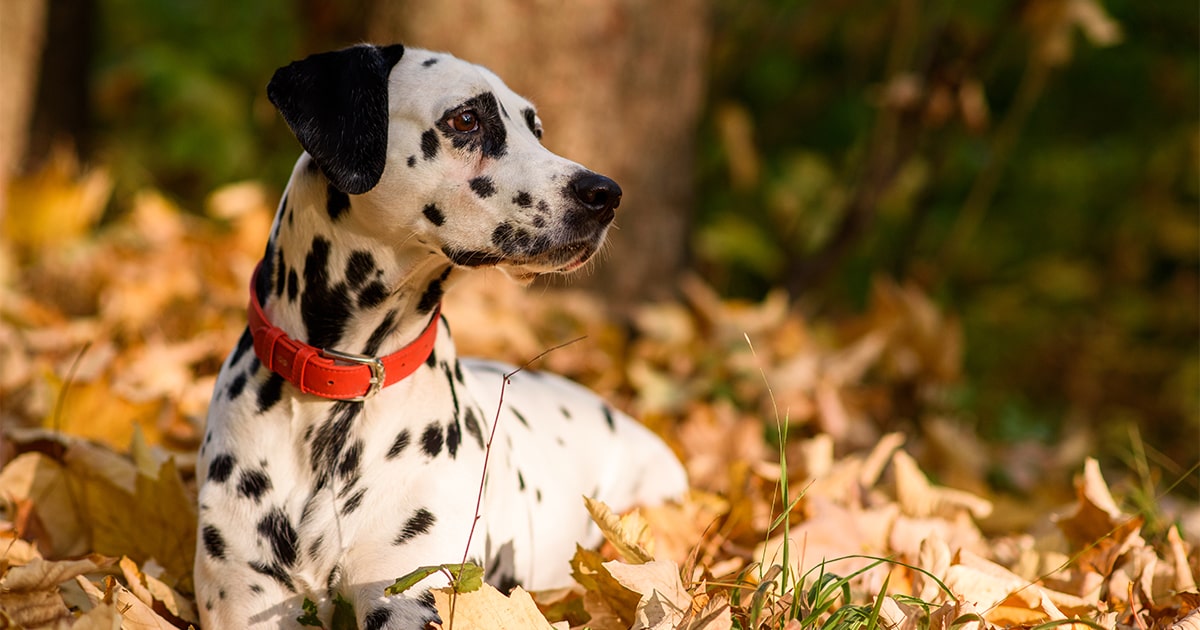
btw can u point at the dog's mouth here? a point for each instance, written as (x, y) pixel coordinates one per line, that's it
(561, 259)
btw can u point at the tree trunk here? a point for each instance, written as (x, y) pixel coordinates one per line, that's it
(22, 31)
(619, 86)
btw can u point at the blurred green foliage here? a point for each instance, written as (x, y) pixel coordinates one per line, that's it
(1019, 160)
(180, 93)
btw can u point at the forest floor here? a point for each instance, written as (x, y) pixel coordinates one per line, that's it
(811, 446)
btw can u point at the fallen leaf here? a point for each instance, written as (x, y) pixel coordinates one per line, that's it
(43, 481)
(489, 609)
(626, 533)
(664, 601)
(608, 597)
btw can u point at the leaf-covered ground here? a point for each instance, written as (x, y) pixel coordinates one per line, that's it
(811, 448)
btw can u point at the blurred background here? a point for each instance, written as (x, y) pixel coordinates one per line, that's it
(1028, 168)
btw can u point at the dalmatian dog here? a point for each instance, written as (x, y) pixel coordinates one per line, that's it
(346, 439)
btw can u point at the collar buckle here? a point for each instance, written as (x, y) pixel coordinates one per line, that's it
(378, 373)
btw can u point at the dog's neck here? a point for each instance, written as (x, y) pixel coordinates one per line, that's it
(334, 287)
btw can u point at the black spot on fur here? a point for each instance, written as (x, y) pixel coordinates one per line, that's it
(523, 199)
(334, 578)
(520, 481)
(381, 332)
(539, 222)
(214, 544)
(531, 121)
(278, 530)
(472, 425)
(420, 523)
(253, 484)
(429, 144)
(255, 588)
(353, 502)
(458, 374)
(324, 308)
(490, 138)
(453, 389)
(378, 618)
(431, 360)
(244, 344)
(359, 266)
(608, 418)
(520, 418)
(273, 570)
(429, 62)
(293, 285)
(314, 549)
(270, 392)
(434, 215)
(505, 583)
(328, 443)
(372, 295)
(453, 438)
(501, 235)
(221, 467)
(539, 496)
(236, 387)
(483, 186)
(433, 293)
(412, 161)
(280, 273)
(431, 440)
(349, 465)
(262, 281)
(399, 444)
(336, 202)
(221, 594)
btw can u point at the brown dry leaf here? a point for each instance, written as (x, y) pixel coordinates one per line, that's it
(716, 615)
(627, 533)
(1096, 527)
(919, 498)
(29, 593)
(677, 528)
(59, 204)
(716, 439)
(43, 481)
(135, 614)
(944, 618)
(605, 596)
(95, 411)
(32, 608)
(900, 615)
(1184, 580)
(154, 520)
(102, 617)
(664, 601)
(152, 591)
(1006, 597)
(487, 608)
(45, 574)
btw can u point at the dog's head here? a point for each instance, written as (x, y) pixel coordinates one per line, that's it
(439, 151)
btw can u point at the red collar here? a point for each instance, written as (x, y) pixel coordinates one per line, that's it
(329, 373)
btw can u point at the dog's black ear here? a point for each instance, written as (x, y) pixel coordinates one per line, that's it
(337, 105)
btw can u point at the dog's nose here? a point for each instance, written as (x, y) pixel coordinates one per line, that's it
(596, 192)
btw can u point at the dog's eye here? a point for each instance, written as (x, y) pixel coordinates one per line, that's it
(465, 121)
